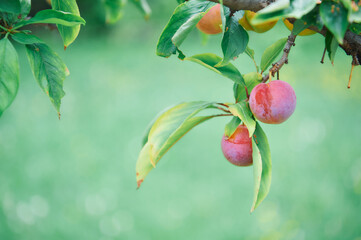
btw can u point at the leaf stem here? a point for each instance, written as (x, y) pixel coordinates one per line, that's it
(323, 56)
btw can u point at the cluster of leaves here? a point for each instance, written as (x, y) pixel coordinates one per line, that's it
(337, 16)
(113, 9)
(48, 68)
(177, 121)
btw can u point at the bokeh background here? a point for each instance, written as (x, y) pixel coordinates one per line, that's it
(75, 178)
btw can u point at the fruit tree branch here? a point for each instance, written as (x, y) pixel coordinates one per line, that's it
(351, 44)
(283, 60)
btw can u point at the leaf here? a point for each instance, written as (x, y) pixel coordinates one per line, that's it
(113, 10)
(235, 40)
(355, 28)
(244, 113)
(10, 6)
(250, 53)
(299, 26)
(284, 9)
(53, 17)
(68, 34)
(262, 166)
(49, 71)
(232, 126)
(334, 16)
(271, 53)
(25, 6)
(24, 38)
(210, 60)
(143, 6)
(182, 15)
(9, 74)
(331, 46)
(251, 79)
(355, 14)
(171, 126)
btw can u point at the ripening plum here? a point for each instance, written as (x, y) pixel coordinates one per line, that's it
(273, 102)
(260, 27)
(238, 148)
(245, 24)
(211, 22)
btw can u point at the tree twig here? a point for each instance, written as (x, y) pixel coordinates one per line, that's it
(283, 60)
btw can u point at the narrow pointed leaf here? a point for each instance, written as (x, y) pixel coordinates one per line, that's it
(210, 60)
(143, 6)
(182, 15)
(331, 46)
(68, 34)
(9, 74)
(262, 166)
(24, 38)
(271, 53)
(171, 126)
(49, 71)
(113, 10)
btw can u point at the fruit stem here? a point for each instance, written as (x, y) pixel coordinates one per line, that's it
(323, 56)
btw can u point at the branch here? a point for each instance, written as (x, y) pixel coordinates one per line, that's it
(283, 60)
(351, 44)
(253, 5)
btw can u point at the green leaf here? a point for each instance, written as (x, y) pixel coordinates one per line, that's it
(68, 34)
(250, 53)
(113, 10)
(262, 166)
(210, 60)
(331, 46)
(171, 126)
(9, 74)
(49, 71)
(355, 14)
(271, 53)
(232, 126)
(334, 16)
(24, 38)
(284, 9)
(299, 26)
(251, 79)
(235, 40)
(244, 113)
(355, 28)
(25, 6)
(143, 6)
(53, 17)
(182, 19)
(10, 6)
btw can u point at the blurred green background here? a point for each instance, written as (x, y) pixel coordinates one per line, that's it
(75, 178)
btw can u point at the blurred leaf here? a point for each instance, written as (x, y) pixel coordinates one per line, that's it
(182, 19)
(69, 34)
(9, 74)
(24, 38)
(334, 16)
(53, 17)
(25, 6)
(210, 60)
(232, 126)
(284, 9)
(355, 14)
(113, 10)
(271, 53)
(235, 40)
(166, 131)
(313, 18)
(143, 6)
(331, 46)
(250, 53)
(251, 79)
(244, 113)
(355, 28)
(262, 166)
(299, 26)
(49, 71)
(10, 6)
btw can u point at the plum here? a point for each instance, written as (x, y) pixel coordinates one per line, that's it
(211, 22)
(273, 102)
(238, 148)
